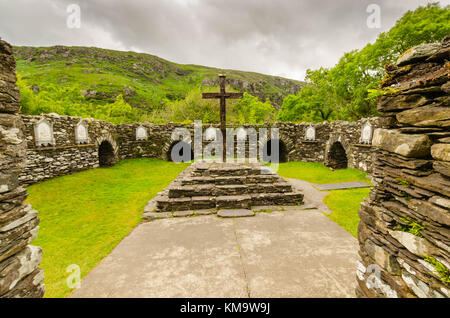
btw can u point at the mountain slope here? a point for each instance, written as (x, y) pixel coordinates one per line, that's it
(146, 81)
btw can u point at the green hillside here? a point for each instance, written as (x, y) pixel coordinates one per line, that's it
(83, 81)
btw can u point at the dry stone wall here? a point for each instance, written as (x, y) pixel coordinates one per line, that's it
(404, 232)
(67, 154)
(293, 136)
(54, 147)
(20, 275)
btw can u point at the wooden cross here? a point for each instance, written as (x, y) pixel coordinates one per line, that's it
(223, 115)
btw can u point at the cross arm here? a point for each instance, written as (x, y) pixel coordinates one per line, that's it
(220, 95)
(211, 95)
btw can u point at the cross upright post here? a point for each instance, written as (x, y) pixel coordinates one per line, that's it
(223, 95)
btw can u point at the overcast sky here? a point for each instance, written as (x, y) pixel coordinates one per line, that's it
(278, 37)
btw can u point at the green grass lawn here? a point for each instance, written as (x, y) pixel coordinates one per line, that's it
(318, 173)
(85, 215)
(344, 204)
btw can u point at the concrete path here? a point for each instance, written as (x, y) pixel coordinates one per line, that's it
(291, 253)
(313, 197)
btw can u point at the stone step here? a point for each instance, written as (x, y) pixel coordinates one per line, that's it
(235, 213)
(227, 189)
(290, 198)
(231, 180)
(232, 171)
(165, 204)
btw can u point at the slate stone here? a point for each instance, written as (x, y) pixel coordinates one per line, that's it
(426, 116)
(415, 146)
(416, 245)
(156, 215)
(234, 213)
(183, 213)
(205, 212)
(419, 52)
(442, 167)
(441, 152)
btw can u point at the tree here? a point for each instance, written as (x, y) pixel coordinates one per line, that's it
(250, 109)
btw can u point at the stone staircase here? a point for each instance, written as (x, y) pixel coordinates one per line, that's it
(223, 186)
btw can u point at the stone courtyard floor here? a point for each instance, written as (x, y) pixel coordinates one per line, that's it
(290, 253)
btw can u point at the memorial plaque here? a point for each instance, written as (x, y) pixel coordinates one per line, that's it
(43, 133)
(210, 133)
(241, 134)
(141, 133)
(366, 134)
(310, 133)
(81, 133)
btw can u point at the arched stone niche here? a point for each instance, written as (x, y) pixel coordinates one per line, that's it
(43, 133)
(108, 150)
(141, 133)
(310, 133)
(366, 134)
(81, 133)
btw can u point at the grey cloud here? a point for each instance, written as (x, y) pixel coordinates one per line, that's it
(283, 37)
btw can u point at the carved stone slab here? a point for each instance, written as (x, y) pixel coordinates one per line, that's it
(141, 133)
(43, 133)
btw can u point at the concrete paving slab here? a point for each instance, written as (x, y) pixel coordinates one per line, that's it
(297, 254)
(291, 253)
(177, 257)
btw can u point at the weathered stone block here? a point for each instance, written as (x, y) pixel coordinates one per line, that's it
(431, 211)
(441, 152)
(417, 53)
(15, 268)
(183, 213)
(382, 257)
(442, 167)
(234, 213)
(426, 116)
(416, 245)
(415, 146)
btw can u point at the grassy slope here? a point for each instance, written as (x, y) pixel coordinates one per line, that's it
(94, 210)
(344, 203)
(151, 78)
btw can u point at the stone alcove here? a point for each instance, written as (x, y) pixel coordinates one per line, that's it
(106, 157)
(283, 152)
(337, 156)
(107, 150)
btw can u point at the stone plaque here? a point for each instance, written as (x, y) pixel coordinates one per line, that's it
(43, 133)
(141, 133)
(210, 133)
(310, 133)
(241, 134)
(366, 134)
(81, 133)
